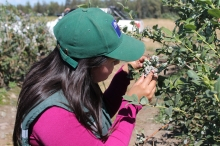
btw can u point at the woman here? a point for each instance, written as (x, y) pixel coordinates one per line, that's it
(60, 102)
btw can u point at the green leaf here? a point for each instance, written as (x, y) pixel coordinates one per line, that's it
(202, 38)
(204, 2)
(190, 26)
(133, 74)
(128, 98)
(144, 100)
(134, 103)
(214, 13)
(199, 143)
(203, 54)
(209, 93)
(132, 22)
(183, 50)
(168, 39)
(124, 29)
(178, 82)
(192, 74)
(169, 111)
(168, 101)
(131, 98)
(131, 13)
(211, 39)
(160, 81)
(155, 27)
(167, 32)
(196, 81)
(130, 67)
(217, 87)
(120, 4)
(83, 6)
(177, 99)
(126, 9)
(187, 122)
(189, 20)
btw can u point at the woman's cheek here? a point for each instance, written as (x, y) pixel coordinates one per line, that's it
(100, 74)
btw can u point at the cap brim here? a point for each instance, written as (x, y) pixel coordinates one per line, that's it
(130, 49)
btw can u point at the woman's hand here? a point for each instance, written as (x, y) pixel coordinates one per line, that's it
(144, 87)
(135, 64)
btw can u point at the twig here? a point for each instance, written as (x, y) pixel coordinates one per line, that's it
(189, 66)
(103, 83)
(156, 132)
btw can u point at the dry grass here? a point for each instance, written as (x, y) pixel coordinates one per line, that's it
(160, 22)
(150, 45)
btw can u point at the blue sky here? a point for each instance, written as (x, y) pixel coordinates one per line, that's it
(32, 2)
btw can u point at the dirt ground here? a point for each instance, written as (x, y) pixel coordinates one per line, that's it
(7, 117)
(145, 119)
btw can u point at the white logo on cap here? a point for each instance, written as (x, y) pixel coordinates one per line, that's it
(116, 28)
(115, 24)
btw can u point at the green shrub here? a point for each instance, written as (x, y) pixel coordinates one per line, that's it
(192, 93)
(22, 42)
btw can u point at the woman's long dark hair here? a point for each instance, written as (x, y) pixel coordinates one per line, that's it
(52, 74)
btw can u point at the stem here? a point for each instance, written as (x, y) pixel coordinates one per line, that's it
(103, 83)
(216, 97)
(164, 126)
(175, 109)
(189, 66)
(213, 6)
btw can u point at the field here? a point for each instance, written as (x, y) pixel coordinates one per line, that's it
(145, 119)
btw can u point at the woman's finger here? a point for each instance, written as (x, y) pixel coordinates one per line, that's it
(140, 80)
(153, 91)
(152, 84)
(148, 79)
(151, 95)
(142, 59)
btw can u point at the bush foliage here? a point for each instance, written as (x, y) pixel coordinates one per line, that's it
(23, 40)
(192, 93)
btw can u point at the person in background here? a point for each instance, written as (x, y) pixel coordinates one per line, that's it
(50, 25)
(66, 10)
(61, 103)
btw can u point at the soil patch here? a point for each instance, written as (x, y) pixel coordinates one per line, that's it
(7, 117)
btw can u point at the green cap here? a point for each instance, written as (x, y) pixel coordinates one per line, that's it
(90, 32)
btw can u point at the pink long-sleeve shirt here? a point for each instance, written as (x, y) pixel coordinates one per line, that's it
(59, 127)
